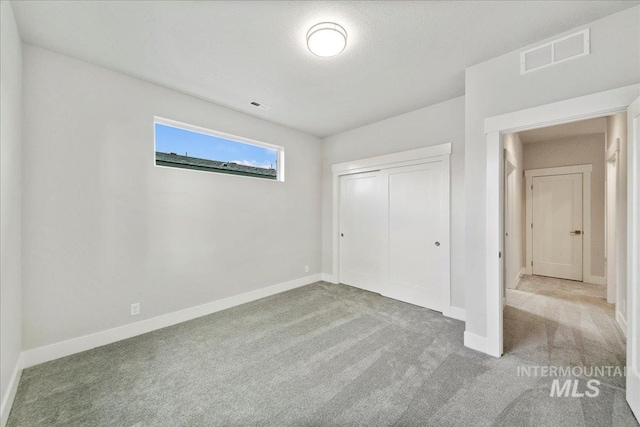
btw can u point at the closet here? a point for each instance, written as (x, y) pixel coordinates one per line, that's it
(393, 226)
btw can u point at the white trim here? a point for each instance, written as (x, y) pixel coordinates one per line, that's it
(11, 391)
(494, 260)
(87, 342)
(622, 322)
(403, 158)
(457, 313)
(571, 110)
(563, 170)
(235, 138)
(612, 239)
(595, 280)
(585, 170)
(632, 314)
(584, 107)
(476, 342)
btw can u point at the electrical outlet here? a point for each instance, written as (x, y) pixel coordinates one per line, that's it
(306, 268)
(135, 309)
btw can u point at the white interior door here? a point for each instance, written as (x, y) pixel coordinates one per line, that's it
(633, 257)
(415, 235)
(557, 226)
(359, 236)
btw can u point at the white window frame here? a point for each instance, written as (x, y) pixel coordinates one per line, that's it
(235, 138)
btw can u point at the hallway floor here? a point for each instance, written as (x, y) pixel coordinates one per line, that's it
(559, 322)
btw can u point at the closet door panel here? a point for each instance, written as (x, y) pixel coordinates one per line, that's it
(412, 235)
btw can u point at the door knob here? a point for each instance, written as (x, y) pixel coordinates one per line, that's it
(437, 243)
(576, 232)
(341, 234)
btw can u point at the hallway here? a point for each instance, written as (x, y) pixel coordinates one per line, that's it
(559, 322)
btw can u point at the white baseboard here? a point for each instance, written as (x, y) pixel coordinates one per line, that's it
(11, 391)
(326, 277)
(622, 322)
(476, 342)
(595, 280)
(87, 342)
(457, 313)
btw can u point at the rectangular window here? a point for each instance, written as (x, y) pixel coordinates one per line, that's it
(184, 146)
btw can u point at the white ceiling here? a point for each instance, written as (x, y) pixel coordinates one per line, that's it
(567, 130)
(400, 56)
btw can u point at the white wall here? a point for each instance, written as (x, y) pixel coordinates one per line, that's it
(581, 150)
(617, 128)
(104, 227)
(432, 125)
(496, 87)
(10, 197)
(513, 145)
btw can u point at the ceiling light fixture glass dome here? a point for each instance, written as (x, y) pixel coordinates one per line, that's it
(326, 39)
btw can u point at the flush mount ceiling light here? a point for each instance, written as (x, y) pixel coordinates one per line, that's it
(326, 39)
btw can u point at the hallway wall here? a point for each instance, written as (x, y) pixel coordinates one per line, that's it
(514, 146)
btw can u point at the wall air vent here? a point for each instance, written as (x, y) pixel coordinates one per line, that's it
(560, 50)
(263, 107)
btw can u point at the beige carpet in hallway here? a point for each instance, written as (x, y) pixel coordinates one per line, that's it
(559, 322)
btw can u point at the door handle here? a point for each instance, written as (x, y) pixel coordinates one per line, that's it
(437, 243)
(576, 232)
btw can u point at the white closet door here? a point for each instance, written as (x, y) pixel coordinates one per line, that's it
(359, 225)
(415, 235)
(557, 226)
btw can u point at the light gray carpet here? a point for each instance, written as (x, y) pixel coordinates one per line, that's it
(321, 355)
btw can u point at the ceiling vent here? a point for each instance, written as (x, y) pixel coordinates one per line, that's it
(569, 47)
(263, 107)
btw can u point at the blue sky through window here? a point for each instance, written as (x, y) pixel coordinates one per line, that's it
(180, 141)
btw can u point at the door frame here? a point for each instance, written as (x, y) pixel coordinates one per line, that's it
(440, 152)
(510, 170)
(599, 104)
(633, 255)
(612, 160)
(585, 171)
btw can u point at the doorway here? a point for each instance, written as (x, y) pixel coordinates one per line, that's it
(558, 206)
(619, 101)
(558, 314)
(557, 232)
